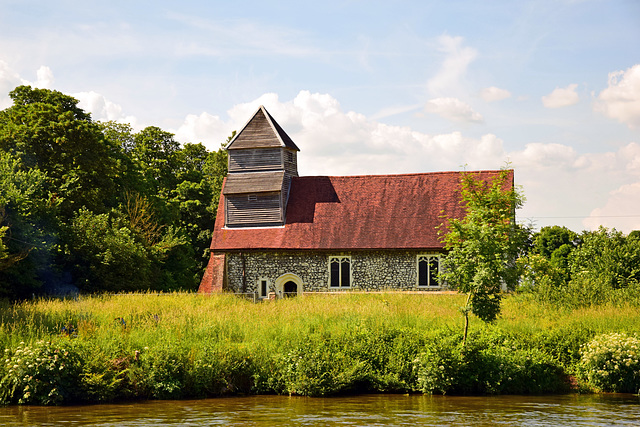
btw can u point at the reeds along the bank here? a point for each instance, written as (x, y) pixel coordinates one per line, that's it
(182, 345)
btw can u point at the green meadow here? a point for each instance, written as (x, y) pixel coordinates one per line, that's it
(184, 345)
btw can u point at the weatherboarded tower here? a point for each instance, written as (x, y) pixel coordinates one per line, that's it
(262, 161)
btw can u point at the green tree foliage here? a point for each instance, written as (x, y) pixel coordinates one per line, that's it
(26, 214)
(107, 255)
(599, 267)
(97, 205)
(555, 243)
(550, 239)
(546, 266)
(607, 256)
(215, 169)
(47, 130)
(483, 246)
(157, 155)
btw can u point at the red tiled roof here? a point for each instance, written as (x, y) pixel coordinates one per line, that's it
(356, 212)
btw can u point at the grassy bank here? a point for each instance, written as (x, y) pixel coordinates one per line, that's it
(105, 348)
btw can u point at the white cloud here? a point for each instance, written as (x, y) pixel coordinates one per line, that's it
(205, 128)
(621, 211)
(9, 79)
(546, 156)
(457, 59)
(561, 97)
(99, 107)
(44, 78)
(573, 188)
(621, 99)
(453, 109)
(394, 110)
(491, 94)
(104, 110)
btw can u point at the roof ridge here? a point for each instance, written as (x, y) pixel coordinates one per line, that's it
(392, 175)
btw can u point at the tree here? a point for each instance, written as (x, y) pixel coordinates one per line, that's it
(97, 205)
(550, 239)
(26, 213)
(46, 129)
(607, 257)
(555, 243)
(157, 154)
(484, 244)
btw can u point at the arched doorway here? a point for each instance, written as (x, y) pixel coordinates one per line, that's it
(290, 289)
(288, 285)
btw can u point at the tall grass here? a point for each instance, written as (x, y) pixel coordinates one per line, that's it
(178, 345)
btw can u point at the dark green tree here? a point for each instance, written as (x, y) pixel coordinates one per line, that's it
(482, 247)
(26, 239)
(97, 204)
(157, 155)
(47, 130)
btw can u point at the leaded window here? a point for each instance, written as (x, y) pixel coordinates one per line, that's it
(340, 271)
(428, 266)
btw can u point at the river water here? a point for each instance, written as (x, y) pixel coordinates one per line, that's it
(367, 410)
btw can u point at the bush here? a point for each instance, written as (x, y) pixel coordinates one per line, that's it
(486, 365)
(163, 374)
(218, 372)
(320, 366)
(611, 363)
(42, 374)
(106, 378)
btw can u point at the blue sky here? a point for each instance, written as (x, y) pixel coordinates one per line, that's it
(364, 87)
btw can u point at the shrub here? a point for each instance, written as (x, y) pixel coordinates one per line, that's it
(162, 373)
(611, 363)
(486, 365)
(46, 373)
(106, 378)
(217, 372)
(321, 367)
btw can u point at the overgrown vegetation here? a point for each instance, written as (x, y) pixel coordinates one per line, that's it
(152, 346)
(573, 270)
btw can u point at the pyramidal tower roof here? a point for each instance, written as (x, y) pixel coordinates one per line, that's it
(262, 131)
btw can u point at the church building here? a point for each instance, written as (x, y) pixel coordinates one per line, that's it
(277, 233)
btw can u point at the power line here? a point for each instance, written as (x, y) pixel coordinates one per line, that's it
(584, 216)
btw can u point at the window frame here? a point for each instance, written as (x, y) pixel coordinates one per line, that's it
(340, 259)
(428, 257)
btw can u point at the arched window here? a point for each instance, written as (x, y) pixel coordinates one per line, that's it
(428, 266)
(339, 271)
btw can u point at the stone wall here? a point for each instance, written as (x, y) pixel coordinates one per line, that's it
(370, 270)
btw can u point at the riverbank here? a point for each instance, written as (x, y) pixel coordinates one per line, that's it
(154, 346)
